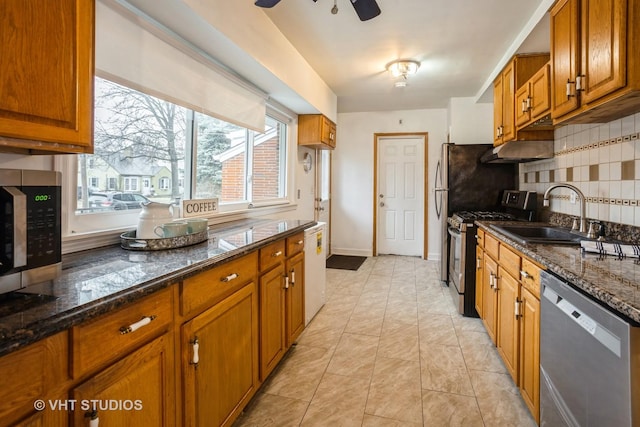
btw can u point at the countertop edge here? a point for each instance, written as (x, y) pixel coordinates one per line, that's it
(60, 322)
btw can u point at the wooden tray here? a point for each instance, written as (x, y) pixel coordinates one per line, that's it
(129, 241)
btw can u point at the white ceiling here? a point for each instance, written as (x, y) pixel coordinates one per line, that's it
(461, 44)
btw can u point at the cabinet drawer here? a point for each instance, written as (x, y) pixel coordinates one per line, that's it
(491, 245)
(109, 337)
(530, 276)
(272, 255)
(200, 292)
(295, 244)
(510, 261)
(480, 238)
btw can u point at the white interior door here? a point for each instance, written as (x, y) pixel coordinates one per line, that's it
(323, 193)
(400, 198)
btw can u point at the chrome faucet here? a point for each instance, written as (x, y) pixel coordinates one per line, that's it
(583, 204)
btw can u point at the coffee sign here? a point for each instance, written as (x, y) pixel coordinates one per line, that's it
(199, 207)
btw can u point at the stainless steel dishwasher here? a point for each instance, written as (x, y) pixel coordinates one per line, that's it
(589, 361)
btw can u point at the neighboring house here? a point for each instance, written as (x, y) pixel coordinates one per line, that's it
(266, 158)
(128, 175)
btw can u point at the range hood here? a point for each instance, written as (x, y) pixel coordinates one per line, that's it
(519, 152)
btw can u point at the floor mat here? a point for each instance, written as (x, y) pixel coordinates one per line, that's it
(345, 262)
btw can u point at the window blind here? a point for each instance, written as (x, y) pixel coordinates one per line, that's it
(129, 53)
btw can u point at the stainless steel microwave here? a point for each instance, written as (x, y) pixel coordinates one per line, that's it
(30, 210)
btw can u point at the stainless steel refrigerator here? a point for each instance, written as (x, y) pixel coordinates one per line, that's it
(463, 183)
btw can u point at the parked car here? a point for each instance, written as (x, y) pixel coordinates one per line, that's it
(116, 200)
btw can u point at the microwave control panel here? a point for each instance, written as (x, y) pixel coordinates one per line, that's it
(43, 225)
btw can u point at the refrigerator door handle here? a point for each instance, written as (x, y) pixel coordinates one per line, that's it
(437, 190)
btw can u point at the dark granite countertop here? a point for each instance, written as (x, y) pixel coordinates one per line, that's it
(612, 281)
(98, 281)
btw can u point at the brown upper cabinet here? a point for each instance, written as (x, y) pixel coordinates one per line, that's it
(513, 76)
(316, 131)
(533, 100)
(46, 76)
(595, 68)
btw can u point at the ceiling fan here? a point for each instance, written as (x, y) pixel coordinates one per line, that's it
(366, 9)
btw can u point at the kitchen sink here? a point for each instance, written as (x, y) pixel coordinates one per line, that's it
(538, 234)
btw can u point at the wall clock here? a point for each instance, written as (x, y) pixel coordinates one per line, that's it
(306, 162)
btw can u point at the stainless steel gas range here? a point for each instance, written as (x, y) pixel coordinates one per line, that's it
(517, 206)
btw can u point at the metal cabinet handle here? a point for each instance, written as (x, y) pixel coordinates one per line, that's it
(517, 309)
(195, 345)
(525, 275)
(286, 282)
(299, 242)
(478, 263)
(229, 278)
(492, 278)
(276, 254)
(139, 324)
(293, 277)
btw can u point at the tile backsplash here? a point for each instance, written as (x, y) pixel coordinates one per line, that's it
(602, 160)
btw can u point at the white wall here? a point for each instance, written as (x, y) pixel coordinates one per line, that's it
(470, 122)
(352, 182)
(352, 175)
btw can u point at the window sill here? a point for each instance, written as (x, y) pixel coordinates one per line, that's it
(84, 241)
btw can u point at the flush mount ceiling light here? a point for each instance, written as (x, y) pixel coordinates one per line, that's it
(403, 68)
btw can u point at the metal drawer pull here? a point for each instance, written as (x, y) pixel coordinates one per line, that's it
(230, 277)
(300, 242)
(276, 254)
(135, 326)
(525, 275)
(195, 344)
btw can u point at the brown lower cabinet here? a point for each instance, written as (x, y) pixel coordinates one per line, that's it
(510, 311)
(138, 390)
(187, 355)
(220, 359)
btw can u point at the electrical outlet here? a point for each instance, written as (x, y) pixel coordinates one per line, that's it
(572, 198)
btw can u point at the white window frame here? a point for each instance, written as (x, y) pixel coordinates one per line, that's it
(79, 231)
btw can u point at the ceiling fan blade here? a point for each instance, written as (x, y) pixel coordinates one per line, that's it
(366, 9)
(266, 3)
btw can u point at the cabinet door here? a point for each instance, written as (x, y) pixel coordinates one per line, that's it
(604, 47)
(523, 112)
(141, 386)
(46, 74)
(220, 360)
(540, 93)
(272, 320)
(564, 56)
(507, 331)
(48, 417)
(295, 297)
(497, 110)
(508, 107)
(489, 296)
(530, 351)
(479, 279)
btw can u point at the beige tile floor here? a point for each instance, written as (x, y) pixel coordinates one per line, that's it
(389, 349)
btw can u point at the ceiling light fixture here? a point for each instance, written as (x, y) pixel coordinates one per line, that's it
(403, 68)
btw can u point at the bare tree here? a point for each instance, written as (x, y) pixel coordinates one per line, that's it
(137, 125)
